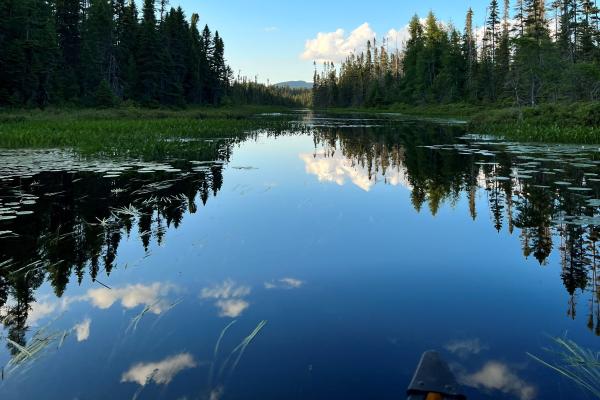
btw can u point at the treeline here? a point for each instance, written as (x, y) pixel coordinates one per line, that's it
(529, 52)
(244, 92)
(101, 52)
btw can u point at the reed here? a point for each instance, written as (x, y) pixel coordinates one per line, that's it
(579, 365)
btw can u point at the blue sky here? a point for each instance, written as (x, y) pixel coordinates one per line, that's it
(268, 37)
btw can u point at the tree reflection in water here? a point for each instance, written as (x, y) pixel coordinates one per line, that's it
(79, 218)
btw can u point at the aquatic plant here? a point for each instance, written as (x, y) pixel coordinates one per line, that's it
(133, 132)
(226, 365)
(580, 365)
(26, 355)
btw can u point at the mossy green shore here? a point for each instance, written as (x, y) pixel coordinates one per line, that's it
(552, 123)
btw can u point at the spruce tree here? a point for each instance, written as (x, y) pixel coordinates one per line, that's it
(148, 65)
(68, 29)
(98, 62)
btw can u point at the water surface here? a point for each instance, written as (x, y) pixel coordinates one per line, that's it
(311, 264)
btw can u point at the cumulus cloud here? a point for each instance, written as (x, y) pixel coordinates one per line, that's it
(497, 376)
(131, 296)
(229, 298)
(397, 38)
(270, 29)
(465, 348)
(338, 169)
(161, 372)
(285, 283)
(336, 46)
(82, 330)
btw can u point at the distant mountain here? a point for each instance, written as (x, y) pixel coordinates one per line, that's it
(295, 84)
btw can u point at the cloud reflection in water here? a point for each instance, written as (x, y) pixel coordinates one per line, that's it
(131, 296)
(161, 372)
(82, 330)
(285, 283)
(229, 298)
(495, 375)
(337, 169)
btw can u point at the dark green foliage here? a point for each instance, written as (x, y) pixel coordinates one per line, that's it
(28, 52)
(97, 52)
(104, 96)
(530, 61)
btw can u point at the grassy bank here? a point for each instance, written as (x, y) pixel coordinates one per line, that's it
(573, 123)
(563, 123)
(459, 111)
(128, 131)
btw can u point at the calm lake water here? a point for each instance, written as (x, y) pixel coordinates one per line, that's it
(315, 264)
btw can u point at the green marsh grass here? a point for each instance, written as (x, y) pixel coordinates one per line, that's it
(556, 123)
(131, 131)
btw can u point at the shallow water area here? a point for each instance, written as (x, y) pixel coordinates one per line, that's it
(319, 263)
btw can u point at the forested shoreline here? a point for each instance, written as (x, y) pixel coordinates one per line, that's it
(530, 52)
(98, 53)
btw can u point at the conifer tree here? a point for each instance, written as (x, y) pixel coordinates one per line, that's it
(148, 65)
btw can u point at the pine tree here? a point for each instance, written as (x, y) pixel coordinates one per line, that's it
(126, 37)
(412, 57)
(98, 59)
(470, 52)
(193, 88)
(504, 50)
(148, 66)
(68, 28)
(206, 74)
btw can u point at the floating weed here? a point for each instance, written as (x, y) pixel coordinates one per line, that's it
(237, 352)
(32, 351)
(245, 344)
(216, 352)
(581, 366)
(141, 388)
(129, 211)
(240, 349)
(136, 320)
(166, 311)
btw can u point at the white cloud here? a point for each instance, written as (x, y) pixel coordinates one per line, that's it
(271, 29)
(225, 290)
(82, 330)
(229, 296)
(231, 308)
(285, 283)
(131, 296)
(39, 311)
(467, 347)
(336, 46)
(397, 38)
(338, 169)
(161, 372)
(497, 376)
